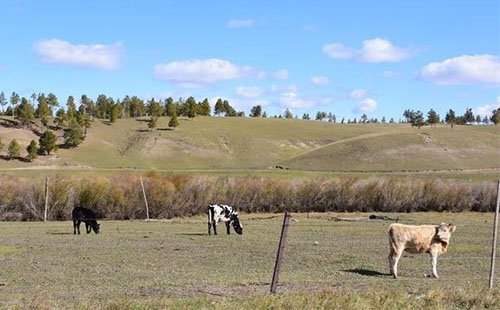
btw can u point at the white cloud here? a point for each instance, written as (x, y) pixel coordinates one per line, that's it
(94, 55)
(293, 100)
(320, 80)
(463, 69)
(249, 91)
(197, 73)
(390, 74)
(373, 51)
(281, 74)
(366, 106)
(240, 23)
(485, 110)
(309, 27)
(357, 94)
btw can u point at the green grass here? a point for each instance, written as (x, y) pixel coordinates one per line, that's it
(173, 263)
(208, 144)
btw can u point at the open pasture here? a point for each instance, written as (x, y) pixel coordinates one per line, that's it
(151, 263)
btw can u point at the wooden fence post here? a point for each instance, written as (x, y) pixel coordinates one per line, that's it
(281, 250)
(46, 209)
(494, 243)
(145, 200)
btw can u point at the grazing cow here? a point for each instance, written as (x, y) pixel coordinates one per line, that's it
(225, 214)
(432, 239)
(84, 215)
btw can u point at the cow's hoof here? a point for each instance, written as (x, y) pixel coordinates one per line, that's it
(394, 276)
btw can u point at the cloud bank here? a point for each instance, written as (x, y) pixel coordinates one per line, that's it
(373, 51)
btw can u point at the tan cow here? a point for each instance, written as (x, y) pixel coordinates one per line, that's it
(432, 239)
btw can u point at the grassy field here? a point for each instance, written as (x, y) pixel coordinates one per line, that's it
(248, 144)
(174, 263)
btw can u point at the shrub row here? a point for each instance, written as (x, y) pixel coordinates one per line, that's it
(120, 196)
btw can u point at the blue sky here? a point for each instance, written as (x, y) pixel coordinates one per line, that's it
(345, 57)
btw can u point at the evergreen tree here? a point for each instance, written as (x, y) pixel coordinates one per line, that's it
(14, 100)
(60, 118)
(478, 119)
(3, 101)
(13, 149)
(73, 135)
(204, 108)
(173, 120)
(485, 120)
(256, 111)
(47, 142)
(25, 112)
(219, 107)
(170, 107)
(287, 114)
(70, 103)
(86, 124)
(114, 111)
(450, 118)
(418, 120)
(264, 115)
(364, 118)
(32, 150)
(52, 101)
(432, 117)
(391, 121)
(152, 122)
(468, 116)
(495, 117)
(191, 107)
(228, 109)
(383, 120)
(43, 110)
(306, 116)
(155, 108)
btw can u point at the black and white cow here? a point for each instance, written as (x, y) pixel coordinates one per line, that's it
(88, 217)
(225, 214)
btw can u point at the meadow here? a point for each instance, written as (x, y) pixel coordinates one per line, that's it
(175, 264)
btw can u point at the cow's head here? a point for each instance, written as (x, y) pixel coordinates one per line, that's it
(444, 232)
(236, 223)
(96, 227)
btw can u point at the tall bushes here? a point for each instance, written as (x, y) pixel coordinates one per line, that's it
(120, 196)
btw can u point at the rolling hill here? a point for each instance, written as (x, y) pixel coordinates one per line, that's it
(249, 143)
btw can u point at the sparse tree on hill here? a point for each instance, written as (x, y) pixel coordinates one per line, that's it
(264, 115)
(191, 107)
(169, 107)
(155, 108)
(320, 115)
(60, 118)
(432, 117)
(47, 142)
(391, 121)
(287, 114)
(219, 107)
(52, 101)
(152, 122)
(383, 121)
(73, 135)
(204, 108)
(228, 109)
(468, 116)
(14, 100)
(364, 118)
(43, 110)
(256, 111)
(306, 116)
(86, 123)
(32, 150)
(70, 103)
(14, 149)
(3, 101)
(25, 112)
(418, 121)
(485, 120)
(173, 120)
(451, 118)
(495, 117)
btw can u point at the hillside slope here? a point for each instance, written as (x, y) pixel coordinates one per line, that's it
(247, 143)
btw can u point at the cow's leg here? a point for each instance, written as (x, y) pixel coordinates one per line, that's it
(228, 227)
(209, 227)
(434, 256)
(214, 224)
(210, 219)
(394, 257)
(74, 227)
(88, 228)
(78, 222)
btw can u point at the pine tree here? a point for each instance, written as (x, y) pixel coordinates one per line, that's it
(52, 100)
(287, 114)
(25, 111)
(73, 135)
(32, 150)
(364, 118)
(14, 100)
(256, 111)
(173, 120)
(264, 115)
(60, 118)
(418, 120)
(70, 103)
(3, 101)
(468, 116)
(43, 110)
(14, 148)
(495, 117)
(228, 109)
(450, 118)
(47, 142)
(219, 107)
(204, 108)
(152, 122)
(432, 117)
(170, 106)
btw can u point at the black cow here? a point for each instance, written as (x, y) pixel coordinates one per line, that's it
(84, 215)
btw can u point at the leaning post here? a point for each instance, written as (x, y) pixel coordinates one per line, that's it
(494, 243)
(281, 250)
(45, 211)
(145, 200)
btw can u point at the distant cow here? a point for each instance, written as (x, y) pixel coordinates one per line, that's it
(84, 215)
(225, 214)
(432, 239)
